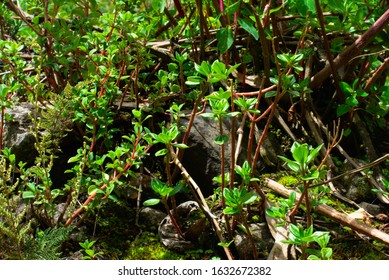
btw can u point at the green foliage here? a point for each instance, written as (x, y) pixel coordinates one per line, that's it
(215, 72)
(225, 39)
(167, 136)
(247, 105)
(49, 128)
(353, 97)
(280, 212)
(247, 25)
(236, 199)
(325, 253)
(245, 173)
(303, 237)
(288, 180)
(47, 244)
(75, 62)
(303, 155)
(305, 6)
(385, 192)
(163, 190)
(89, 251)
(288, 60)
(13, 212)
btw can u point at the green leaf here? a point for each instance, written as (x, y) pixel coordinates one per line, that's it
(342, 109)
(95, 189)
(295, 230)
(208, 115)
(294, 166)
(177, 188)
(232, 114)
(204, 68)
(231, 211)
(90, 252)
(298, 68)
(279, 7)
(362, 93)
(74, 159)
(346, 88)
(352, 101)
(313, 154)
(151, 202)
(313, 258)
(221, 139)
(249, 198)
(336, 5)
(225, 244)
(305, 6)
(232, 8)
(284, 57)
(326, 253)
(249, 27)
(218, 67)
(312, 176)
(300, 153)
(225, 38)
(232, 68)
(181, 146)
(137, 113)
(194, 80)
(28, 194)
(158, 5)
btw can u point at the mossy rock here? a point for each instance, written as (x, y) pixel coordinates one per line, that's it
(148, 247)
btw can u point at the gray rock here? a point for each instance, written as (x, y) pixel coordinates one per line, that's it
(203, 158)
(355, 186)
(373, 209)
(59, 209)
(167, 232)
(75, 256)
(17, 133)
(263, 242)
(150, 217)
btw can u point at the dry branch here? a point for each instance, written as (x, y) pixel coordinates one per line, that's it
(203, 205)
(331, 213)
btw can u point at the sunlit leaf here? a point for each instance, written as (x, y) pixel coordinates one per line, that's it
(151, 202)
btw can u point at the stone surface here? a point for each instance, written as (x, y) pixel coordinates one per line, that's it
(202, 160)
(150, 217)
(203, 157)
(263, 242)
(355, 186)
(167, 232)
(373, 209)
(17, 134)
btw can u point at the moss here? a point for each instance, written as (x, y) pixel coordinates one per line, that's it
(272, 197)
(357, 250)
(149, 247)
(288, 180)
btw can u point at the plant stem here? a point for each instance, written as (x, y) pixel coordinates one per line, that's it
(244, 220)
(171, 216)
(222, 163)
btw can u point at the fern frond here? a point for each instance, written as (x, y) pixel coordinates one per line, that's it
(47, 244)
